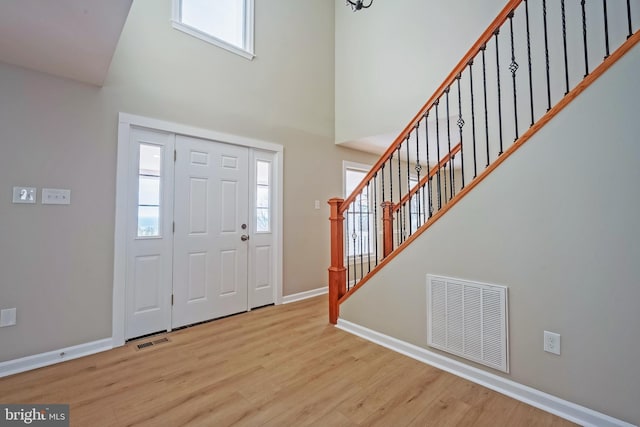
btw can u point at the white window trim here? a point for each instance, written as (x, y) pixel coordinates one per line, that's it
(248, 52)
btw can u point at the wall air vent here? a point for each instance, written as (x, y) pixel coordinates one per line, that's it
(469, 320)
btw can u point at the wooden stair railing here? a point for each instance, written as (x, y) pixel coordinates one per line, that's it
(396, 202)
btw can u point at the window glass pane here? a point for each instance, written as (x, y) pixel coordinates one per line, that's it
(352, 179)
(150, 159)
(262, 197)
(262, 224)
(262, 172)
(148, 221)
(223, 19)
(149, 190)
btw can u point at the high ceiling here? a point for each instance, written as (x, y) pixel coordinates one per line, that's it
(75, 39)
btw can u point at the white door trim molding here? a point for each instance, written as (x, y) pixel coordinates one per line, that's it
(125, 122)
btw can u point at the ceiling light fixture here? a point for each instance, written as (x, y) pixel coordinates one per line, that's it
(359, 4)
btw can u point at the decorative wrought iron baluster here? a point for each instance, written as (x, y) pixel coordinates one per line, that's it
(564, 44)
(429, 178)
(361, 238)
(499, 92)
(369, 225)
(418, 168)
(483, 48)
(460, 123)
(400, 211)
(629, 19)
(451, 178)
(346, 240)
(526, 11)
(546, 52)
(438, 153)
(390, 178)
(409, 182)
(584, 38)
(473, 119)
(375, 213)
(606, 28)
(355, 236)
(513, 67)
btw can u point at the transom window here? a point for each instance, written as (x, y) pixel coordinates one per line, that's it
(224, 23)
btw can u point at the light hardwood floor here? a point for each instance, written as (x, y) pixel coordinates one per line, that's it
(277, 366)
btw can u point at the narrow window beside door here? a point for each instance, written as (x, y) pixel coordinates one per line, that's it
(263, 196)
(149, 190)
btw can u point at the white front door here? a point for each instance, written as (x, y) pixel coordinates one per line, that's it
(211, 245)
(201, 226)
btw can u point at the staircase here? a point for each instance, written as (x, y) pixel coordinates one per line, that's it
(529, 64)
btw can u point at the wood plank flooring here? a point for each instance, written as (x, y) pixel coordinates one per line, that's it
(277, 366)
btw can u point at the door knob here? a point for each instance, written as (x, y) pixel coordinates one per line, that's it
(244, 237)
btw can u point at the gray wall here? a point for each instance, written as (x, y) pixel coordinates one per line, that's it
(56, 262)
(390, 58)
(558, 224)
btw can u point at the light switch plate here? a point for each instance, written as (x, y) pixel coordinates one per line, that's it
(7, 317)
(24, 195)
(56, 196)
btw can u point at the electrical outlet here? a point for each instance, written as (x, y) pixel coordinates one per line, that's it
(552, 342)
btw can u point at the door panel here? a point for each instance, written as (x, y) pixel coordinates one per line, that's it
(149, 238)
(211, 204)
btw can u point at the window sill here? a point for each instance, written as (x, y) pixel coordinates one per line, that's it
(213, 40)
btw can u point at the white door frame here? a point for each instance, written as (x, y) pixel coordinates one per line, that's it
(125, 122)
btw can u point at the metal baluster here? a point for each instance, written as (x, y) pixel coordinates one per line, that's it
(499, 94)
(375, 213)
(429, 178)
(438, 153)
(606, 28)
(409, 182)
(584, 39)
(473, 120)
(390, 178)
(629, 19)
(418, 169)
(526, 11)
(513, 67)
(355, 235)
(460, 124)
(369, 225)
(348, 236)
(564, 44)
(451, 177)
(400, 211)
(546, 52)
(486, 109)
(361, 238)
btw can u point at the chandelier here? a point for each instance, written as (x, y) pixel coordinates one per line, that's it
(358, 4)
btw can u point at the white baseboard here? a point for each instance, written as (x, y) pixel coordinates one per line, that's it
(304, 295)
(28, 363)
(562, 408)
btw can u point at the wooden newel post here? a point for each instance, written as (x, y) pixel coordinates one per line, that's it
(387, 228)
(337, 271)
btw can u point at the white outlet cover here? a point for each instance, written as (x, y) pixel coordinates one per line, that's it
(24, 195)
(552, 342)
(7, 317)
(56, 196)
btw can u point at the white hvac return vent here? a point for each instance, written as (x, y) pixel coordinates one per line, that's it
(469, 320)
